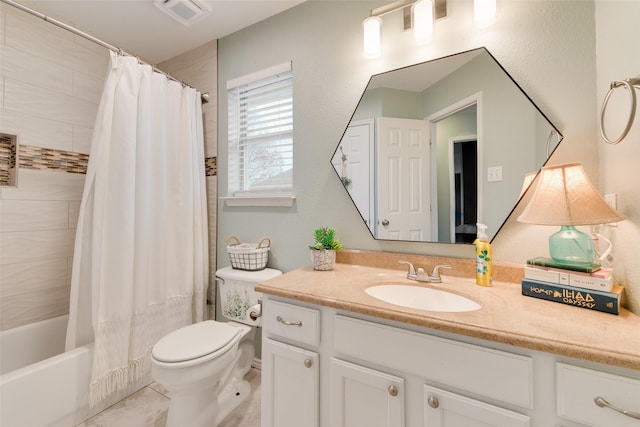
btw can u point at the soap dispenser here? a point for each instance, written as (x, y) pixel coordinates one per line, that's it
(484, 262)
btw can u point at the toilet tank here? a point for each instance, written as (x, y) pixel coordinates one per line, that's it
(236, 290)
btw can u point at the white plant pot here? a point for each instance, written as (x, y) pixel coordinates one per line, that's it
(323, 260)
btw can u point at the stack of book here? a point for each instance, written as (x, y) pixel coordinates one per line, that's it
(589, 286)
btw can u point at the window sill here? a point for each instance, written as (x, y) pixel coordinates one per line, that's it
(266, 200)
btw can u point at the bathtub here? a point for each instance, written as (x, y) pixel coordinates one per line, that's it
(43, 386)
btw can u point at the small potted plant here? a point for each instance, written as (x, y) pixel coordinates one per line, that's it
(323, 252)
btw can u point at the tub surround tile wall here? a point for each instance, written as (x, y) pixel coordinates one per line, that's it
(50, 87)
(51, 84)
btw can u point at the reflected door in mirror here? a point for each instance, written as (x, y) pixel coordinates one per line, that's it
(354, 162)
(403, 181)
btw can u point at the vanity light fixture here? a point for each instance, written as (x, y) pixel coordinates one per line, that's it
(564, 196)
(419, 15)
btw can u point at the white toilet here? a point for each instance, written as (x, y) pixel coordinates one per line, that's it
(203, 365)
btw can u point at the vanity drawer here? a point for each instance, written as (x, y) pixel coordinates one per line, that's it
(491, 373)
(290, 321)
(577, 389)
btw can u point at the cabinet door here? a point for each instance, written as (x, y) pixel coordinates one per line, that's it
(290, 386)
(445, 409)
(365, 397)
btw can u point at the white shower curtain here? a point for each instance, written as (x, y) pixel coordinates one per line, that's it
(140, 266)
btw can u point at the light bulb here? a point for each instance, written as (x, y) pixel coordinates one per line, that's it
(371, 30)
(422, 11)
(484, 12)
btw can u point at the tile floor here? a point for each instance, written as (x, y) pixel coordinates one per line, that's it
(148, 407)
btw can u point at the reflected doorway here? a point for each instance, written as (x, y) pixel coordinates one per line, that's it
(465, 189)
(456, 145)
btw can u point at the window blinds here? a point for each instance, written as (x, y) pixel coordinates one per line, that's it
(261, 133)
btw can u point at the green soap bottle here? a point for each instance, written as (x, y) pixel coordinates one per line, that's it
(484, 261)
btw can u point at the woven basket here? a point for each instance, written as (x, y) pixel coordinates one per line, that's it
(248, 256)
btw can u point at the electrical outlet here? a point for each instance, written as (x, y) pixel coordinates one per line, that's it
(494, 174)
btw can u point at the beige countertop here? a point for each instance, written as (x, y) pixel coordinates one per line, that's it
(506, 315)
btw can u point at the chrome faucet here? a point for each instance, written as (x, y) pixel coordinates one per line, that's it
(421, 276)
(435, 275)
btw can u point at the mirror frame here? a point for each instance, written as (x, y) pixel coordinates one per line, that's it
(480, 50)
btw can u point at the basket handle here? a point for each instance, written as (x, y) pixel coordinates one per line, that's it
(263, 239)
(233, 237)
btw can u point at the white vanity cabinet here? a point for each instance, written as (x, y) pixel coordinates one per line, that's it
(490, 374)
(368, 371)
(290, 374)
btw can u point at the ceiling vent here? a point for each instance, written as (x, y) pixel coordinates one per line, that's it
(184, 11)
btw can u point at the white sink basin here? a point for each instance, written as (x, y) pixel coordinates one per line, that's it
(422, 298)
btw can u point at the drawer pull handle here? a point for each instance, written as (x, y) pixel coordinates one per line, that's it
(286, 322)
(601, 402)
(393, 390)
(308, 363)
(433, 402)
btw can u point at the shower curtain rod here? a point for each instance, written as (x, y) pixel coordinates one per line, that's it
(204, 97)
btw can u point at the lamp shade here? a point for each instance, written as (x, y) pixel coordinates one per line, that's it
(371, 33)
(528, 180)
(563, 195)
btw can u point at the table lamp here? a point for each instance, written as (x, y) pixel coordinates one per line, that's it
(564, 196)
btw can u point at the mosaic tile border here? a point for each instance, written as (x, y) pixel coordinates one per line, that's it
(40, 158)
(7, 159)
(211, 166)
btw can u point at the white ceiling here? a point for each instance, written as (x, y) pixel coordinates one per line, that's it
(417, 78)
(141, 29)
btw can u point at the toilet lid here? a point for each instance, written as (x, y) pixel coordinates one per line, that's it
(194, 341)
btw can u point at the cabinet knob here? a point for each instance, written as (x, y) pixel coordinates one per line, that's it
(433, 402)
(308, 363)
(393, 390)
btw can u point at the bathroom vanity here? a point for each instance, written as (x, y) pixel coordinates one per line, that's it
(334, 356)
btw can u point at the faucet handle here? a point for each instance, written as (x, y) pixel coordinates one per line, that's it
(412, 271)
(435, 276)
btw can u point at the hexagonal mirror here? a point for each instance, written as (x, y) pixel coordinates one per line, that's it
(435, 148)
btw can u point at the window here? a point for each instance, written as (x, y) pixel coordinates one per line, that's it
(261, 134)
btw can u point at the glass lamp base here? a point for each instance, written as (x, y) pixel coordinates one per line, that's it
(571, 246)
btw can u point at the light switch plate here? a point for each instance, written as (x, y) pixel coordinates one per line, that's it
(494, 174)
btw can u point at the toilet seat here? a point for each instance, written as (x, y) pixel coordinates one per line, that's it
(208, 338)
